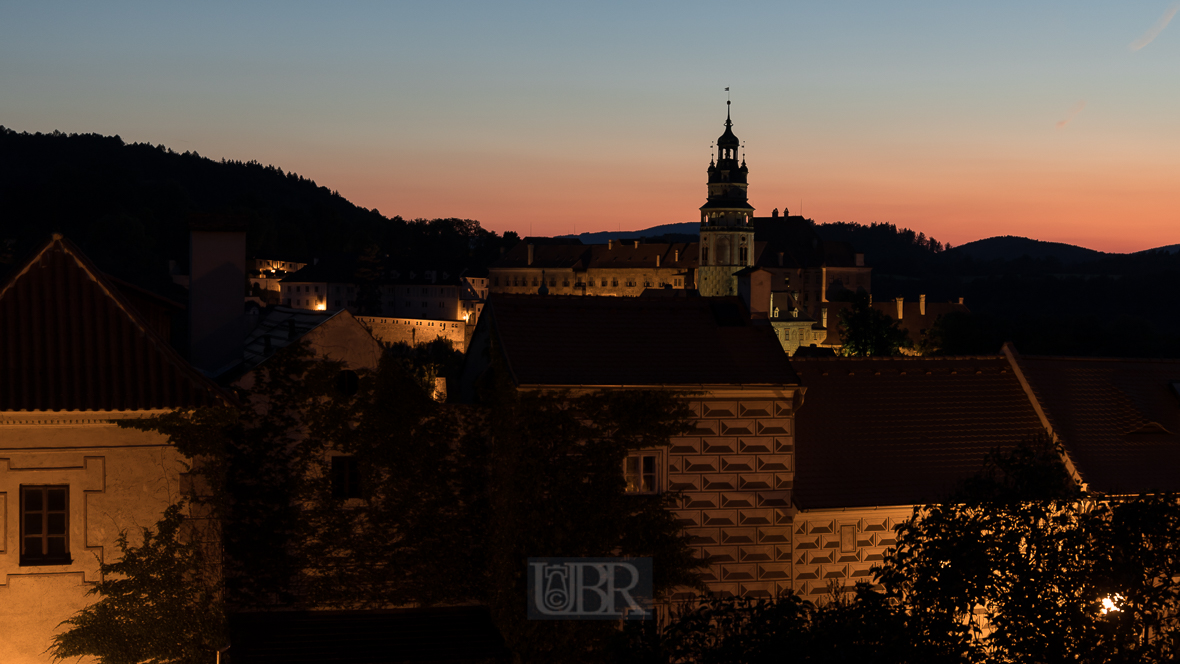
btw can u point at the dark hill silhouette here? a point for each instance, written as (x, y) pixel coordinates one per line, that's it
(128, 207)
(691, 228)
(1012, 247)
(1167, 249)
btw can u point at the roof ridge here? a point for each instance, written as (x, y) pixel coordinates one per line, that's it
(897, 358)
(1074, 358)
(167, 353)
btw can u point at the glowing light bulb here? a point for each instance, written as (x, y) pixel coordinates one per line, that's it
(1109, 604)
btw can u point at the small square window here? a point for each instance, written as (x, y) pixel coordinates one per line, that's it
(346, 477)
(641, 470)
(45, 525)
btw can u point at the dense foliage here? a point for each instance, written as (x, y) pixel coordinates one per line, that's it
(866, 332)
(450, 501)
(158, 603)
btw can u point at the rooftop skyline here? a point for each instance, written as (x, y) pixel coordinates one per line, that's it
(1055, 121)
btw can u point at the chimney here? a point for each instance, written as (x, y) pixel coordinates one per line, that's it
(780, 259)
(217, 319)
(530, 254)
(637, 244)
(823, 312)
(774, 213)
(657, 260)
(900, 306)
(676, 256)
(960, 300)
(860, 260)
(922, 304)
(610, 244)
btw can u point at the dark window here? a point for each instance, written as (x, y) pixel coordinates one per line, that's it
(565, 282)
(45, 525)
(604, 282)
(613, 282)
(348, 382)
(346, 477)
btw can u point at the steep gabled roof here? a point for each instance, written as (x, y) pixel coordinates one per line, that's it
(1119, 418)
(619, 341)
(284, 326)
(70, 341)
(902, 431)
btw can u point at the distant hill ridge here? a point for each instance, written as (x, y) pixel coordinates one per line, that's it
(1000, 247)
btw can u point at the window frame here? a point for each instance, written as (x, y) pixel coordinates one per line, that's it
(657, 472)
(65, 558)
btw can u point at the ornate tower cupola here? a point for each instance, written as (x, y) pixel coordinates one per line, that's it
(727, 231)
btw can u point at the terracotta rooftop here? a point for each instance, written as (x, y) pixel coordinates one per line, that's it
(1119, 419)
(69, 340)
(902, 431)
(688, 341)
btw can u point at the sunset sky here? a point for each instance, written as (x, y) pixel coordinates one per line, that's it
(1057, 121)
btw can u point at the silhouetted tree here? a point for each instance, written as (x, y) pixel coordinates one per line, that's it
(157, 603)
(1019, 564)
(867, 331)
(445, 504)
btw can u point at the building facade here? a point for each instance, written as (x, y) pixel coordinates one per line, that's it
(77, 358)
(614, 269)
(735, 470)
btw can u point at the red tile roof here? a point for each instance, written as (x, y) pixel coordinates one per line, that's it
(901, 431)
(559, 340)
(70, 341)
(1119, 419)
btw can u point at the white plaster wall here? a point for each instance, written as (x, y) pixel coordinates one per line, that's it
(119, 479)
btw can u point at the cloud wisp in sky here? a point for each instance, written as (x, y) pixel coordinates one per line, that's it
(1155, 30)
(1077, 108)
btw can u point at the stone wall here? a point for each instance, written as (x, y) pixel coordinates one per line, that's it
(415, 331)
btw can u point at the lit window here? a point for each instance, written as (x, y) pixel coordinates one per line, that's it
(45, 538)
(346, 477)
(641, 470)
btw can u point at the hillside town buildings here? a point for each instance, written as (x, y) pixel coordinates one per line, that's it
(775, 263)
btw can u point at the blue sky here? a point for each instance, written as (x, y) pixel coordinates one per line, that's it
(962, 120)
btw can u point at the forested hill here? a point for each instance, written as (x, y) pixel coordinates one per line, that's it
(128, 206)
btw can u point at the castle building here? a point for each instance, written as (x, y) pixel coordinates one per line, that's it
(799, 265)
(727, 220)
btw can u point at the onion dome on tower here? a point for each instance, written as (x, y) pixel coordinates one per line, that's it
(727, 228)
(727, 204)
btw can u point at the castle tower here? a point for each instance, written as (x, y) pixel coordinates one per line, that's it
(727, 229)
